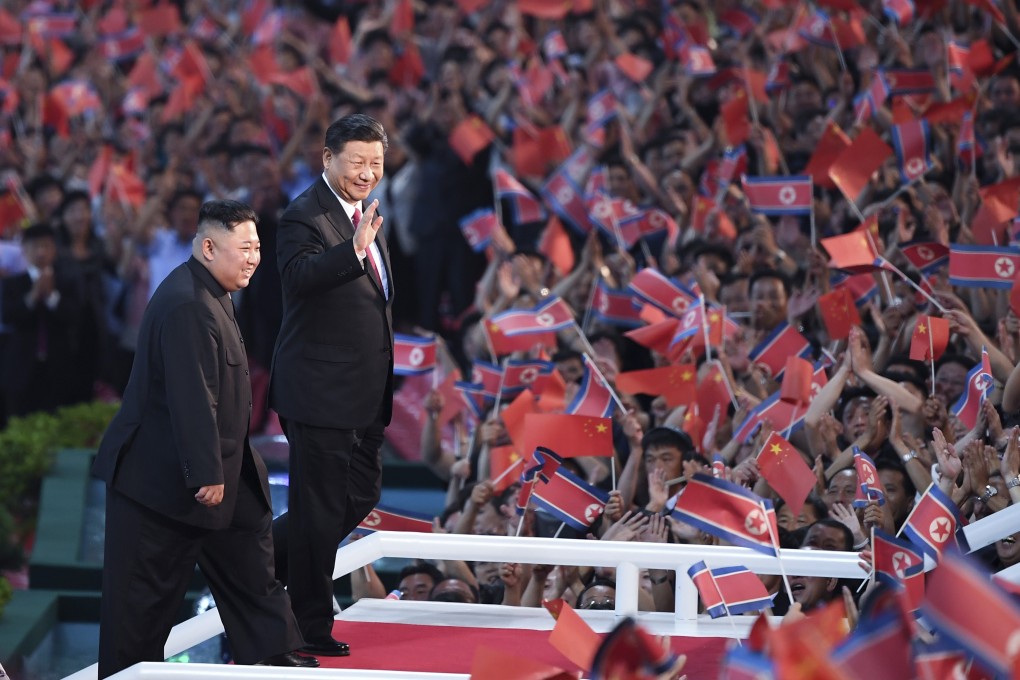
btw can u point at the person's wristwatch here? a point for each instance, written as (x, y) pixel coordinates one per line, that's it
(990, 492)
(1013, 483)
(909, 456)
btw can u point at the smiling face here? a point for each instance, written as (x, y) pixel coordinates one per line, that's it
(355, 169)
(232, 256)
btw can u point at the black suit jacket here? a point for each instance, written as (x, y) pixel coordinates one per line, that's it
(333, 363)
(59, 325)
(183, 423)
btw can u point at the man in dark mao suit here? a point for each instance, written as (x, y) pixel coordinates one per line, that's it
(183, 484)
(332, 376)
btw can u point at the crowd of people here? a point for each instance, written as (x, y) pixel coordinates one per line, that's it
(120, 119)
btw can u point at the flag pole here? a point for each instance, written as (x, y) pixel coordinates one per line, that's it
(931, 363)
(591, 362)
(704, 327)
(789, 428)
(835, 41)
(814, 232)
(612, 468)
(726, 607)
(775, 543)
(889, 266)
(560, 530)
(584, 339)
(591, 299)
(499, 392)
(871, 579)
(504, 473)
(488, 341)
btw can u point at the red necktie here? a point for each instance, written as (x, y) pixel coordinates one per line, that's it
(355, 220)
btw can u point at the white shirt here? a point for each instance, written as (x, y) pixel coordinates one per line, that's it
(349, 208)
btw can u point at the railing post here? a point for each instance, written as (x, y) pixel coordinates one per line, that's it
(685, 603)
(627, 589)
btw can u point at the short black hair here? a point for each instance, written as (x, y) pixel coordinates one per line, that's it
(181, 195)
(40, 183)
(848, 536)
(38, 232)
(449, 597)
(426, 568)
(74, 196)
(888, 462)
(595, 582)
(769, 274)
(668, 436)
(356, 127)
(226, 214)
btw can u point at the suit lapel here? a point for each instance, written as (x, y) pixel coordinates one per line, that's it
(335, 214)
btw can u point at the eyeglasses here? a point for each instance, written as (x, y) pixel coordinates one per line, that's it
(604, 603)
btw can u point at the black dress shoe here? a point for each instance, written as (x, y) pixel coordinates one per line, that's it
(327, 647)
(292, 659)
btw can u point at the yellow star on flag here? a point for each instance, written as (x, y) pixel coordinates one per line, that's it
(776, 448)
(921, 328)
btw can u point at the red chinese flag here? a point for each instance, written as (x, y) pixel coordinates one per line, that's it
(340, 41)
(513, 418)
(839, 313)
(634, 67)
(159, 20)
(470, 136)
(657, 336)
(408, 69)
(832, 143)
(735, 119)
(535, 151)
(784, 469)
(453, 404)
(714, 391)
(574, 638)
(675, 383)
(555, 245)
(125, 186)
(492, 663)
(569, 436)
(796, 387)
(501, 459)
(989, 224)
(852, 252)
(931, 336)
(853, 167)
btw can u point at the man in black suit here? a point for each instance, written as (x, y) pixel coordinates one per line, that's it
(41, 309)
(183, 483)
(332, 376)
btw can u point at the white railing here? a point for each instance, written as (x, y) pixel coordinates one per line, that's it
(628, 558)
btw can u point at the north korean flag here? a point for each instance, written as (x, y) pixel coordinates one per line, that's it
(734, 163)
(643, 223)
(488, 377)
(743, 663)
(728, 591)
(879, 647)
(728, 511)
(932, 524)
(654, 288)
(895, 561)
(902, 81)
(778, 78)
(868, 103)
(816, 28)
(606, 213)
(697, 61)
(779, 195)
(122, 46)
(562, 194)
(983, 266)
(520, 374)
(615, 307)
(593, 398)
(525, 206)
(478, 228)
(961, 74)
(503, 344)
(979, 385)
(900, 11)
(554, 46)
(927, 256)
(782, 414)
(868, 486)
(413, 355)
(602, 108)
(862, 287)
(474, 397)
(384, 518)
(570, 499)
(911, 142)
(967, 148)
(940, 659)
(962, 605)
(552, 315)
(771, 353)
(53, 24)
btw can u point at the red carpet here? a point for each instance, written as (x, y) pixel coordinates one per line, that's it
(449, 649)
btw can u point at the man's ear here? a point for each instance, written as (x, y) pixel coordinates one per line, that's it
(831, 585)
(207, 249)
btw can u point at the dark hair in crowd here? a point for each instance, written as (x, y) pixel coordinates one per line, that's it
(356, 127)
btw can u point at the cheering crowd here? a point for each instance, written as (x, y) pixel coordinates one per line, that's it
(646, 255)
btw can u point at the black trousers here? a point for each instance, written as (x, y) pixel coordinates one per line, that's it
(148, 562)
(335, 481)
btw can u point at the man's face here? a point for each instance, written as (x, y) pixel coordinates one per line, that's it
(487, 572)
(416, 587)
(571, 370)
(235, 255)
(734, 296)
(855, 417)
(768, 304)
(950, 380)
(40, 252)
(842, 489)
(810, 591)
(669, 459)
(1005, 93)
(184, 217)
(453, 590)
(1008, 549)
(354, 170)
(895, 494)
(804, 97)
(822, 537)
